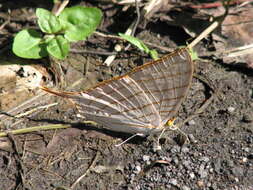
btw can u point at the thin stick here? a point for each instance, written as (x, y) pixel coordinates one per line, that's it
(239, 51)
(92, 52)
(136, 22)
(61, 7)
(33, 129)
(204, 34)
(137, 19)
(131, 29)
(117, 47)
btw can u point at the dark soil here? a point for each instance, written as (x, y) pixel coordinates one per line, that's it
(218, 156)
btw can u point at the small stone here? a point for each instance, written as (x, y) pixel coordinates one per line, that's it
(202, 172)
(175, 149)
(192, 138)
(230, 163)
(192, 175)
(244, 159)
(249, 139)
(186, 164)
(145, 158)
(246, 149)
(191, 122)
(247, 117)
(79, 115)
(230, 109)
(184, 149)
(137, 169)
(175, 160)
(173, 181)
(186, 188)
(200, 184)
(204, 159)
(156, 147)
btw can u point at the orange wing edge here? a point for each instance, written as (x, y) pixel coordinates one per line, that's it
(58, 93)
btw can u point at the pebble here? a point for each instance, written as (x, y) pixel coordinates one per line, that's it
(175, 149)
(200, 184)
(247, 118)
(246, 149)
(249, 139)
(208, 184)
(230, 163)
(175, 160)
(230, 109)
(186, 164)
(244, 159)
(137, 169)
(191, 122)
(192, 175)
(192, 138)
(186, 188)
(184, 149)
(145, 158)
(156, 147)
(204, 159)
(173, 181)
(202, 172)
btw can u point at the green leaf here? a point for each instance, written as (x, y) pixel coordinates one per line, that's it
(135, 41)
(80, 22)
(193, 54)
(140, 44)
(29, 44)
(58, 47)
(48, 22)
(153, 53)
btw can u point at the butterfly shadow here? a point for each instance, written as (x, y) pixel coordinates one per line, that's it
(90, 130)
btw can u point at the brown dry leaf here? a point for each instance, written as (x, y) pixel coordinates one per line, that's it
(237, 27)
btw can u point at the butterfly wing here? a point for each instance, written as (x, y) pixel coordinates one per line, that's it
(140, 101)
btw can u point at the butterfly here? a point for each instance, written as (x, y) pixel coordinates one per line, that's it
(141, 101)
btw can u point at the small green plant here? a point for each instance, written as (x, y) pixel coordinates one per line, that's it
(140, 44)
(73, 24)
(194, 54)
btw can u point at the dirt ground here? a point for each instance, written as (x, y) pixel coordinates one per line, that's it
(219, 153)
